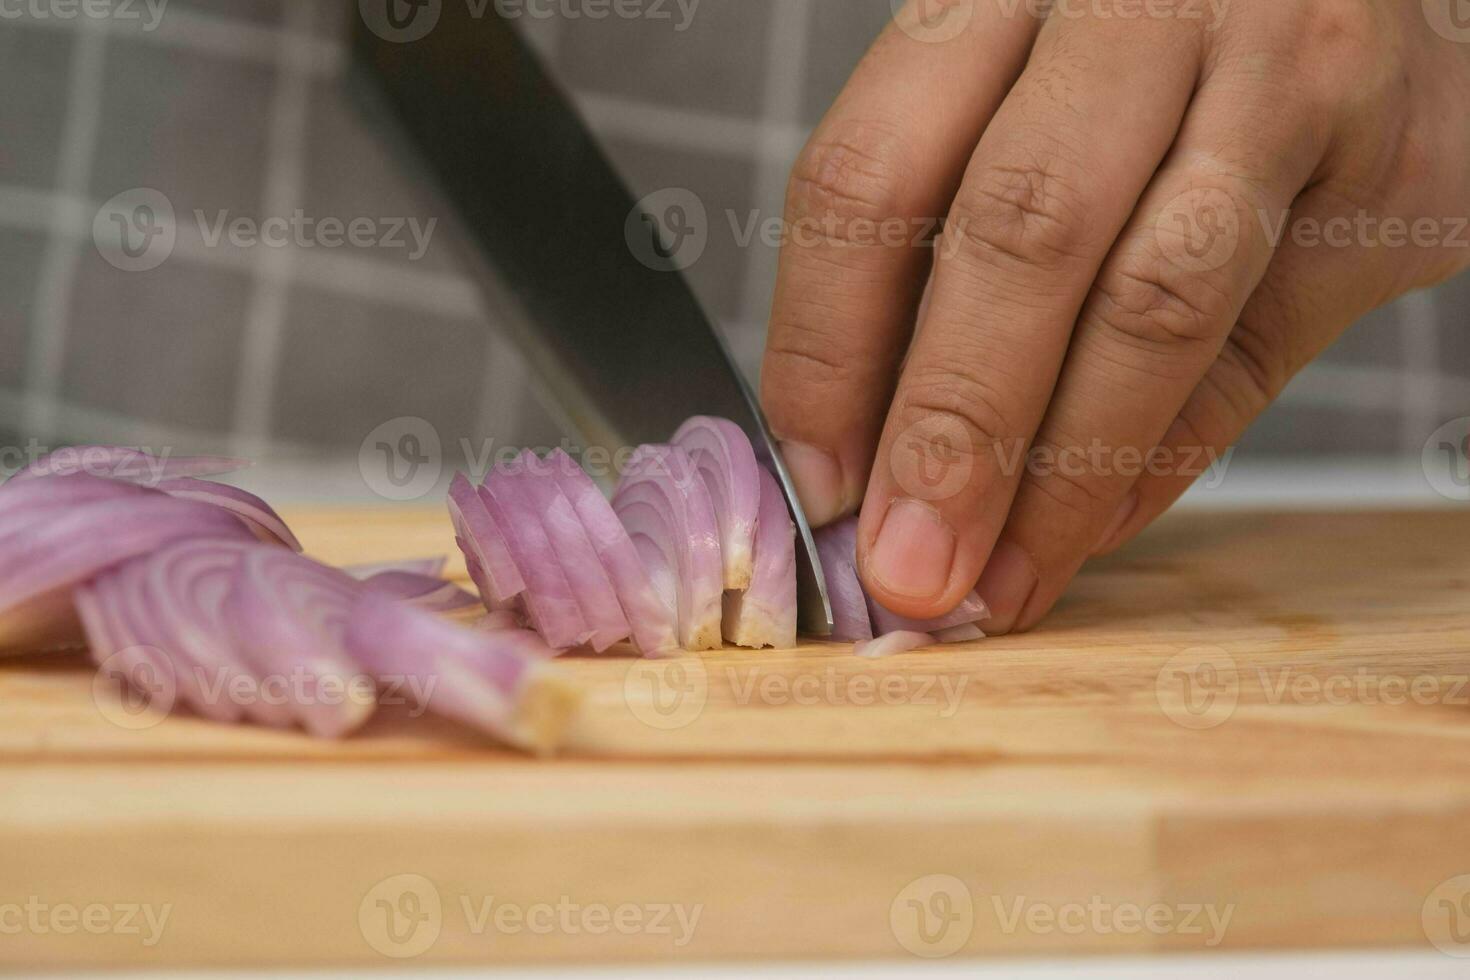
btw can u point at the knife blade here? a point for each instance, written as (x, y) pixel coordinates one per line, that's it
(611, 326)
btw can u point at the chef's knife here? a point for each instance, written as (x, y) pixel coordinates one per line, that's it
(610, 324)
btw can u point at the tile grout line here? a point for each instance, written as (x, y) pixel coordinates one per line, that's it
(55, 282)
(786, 49)
(1418, 314)
(265, 310)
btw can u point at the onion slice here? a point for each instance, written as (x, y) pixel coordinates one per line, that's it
(552, 607)
(258, 515)
(484, 545)
(764, 615)
(425, 591)
(662, 498)
(129, 465)
(41, 562)
(573, 551)
(723, 456)
(837, 548)
(651, 619)
(499, 682)
(288, 615)
(890, 644)
(414, 566)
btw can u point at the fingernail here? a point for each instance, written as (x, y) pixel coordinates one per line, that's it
(1005, 585)
(914, 551)
(818, 479)
(1124, 513)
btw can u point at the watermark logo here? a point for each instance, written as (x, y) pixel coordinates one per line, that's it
(409, 235)
(41, 918)
(147, 12)
(1199, 230)
(668, 230)
(400, 21)
(1450, 19)
(135, 231)
(1446, 460)
(933, 21)
(135, 688)
(933, 458)
(666, 694)
(401, 916)
(933, 916)
(1199, 688)
(401, 459)
(1446, 917)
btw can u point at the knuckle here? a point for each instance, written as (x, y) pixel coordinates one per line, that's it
(853, 171)
(962, 398)
(1069, 486)
(1254, 372)
(1029, 212)
(1162, 307)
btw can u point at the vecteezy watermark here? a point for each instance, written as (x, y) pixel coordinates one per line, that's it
(1199, 230)
(135, 688)
(147, 466)
(1450, 19)
(300, 230)
(935, 916)
(147, 13)
(403, 916)
(934, 458)
(668, 230)
(1364, 230)
(406, 21)
(41, 918)
(672, 694)
(1213, 11)
(1445, 917)
(135, 231)
(1446, 459)
(1198, 688)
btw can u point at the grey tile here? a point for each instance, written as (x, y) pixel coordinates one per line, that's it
(1377, 340)
(716, 63)
(20, 263)
(267, 12)
(841, 31)
(348, 366)
(351, 172)
(1453, 299)
(159, 346)
(1298, 430)
(725, 188)
(184, 123)
(34, 66)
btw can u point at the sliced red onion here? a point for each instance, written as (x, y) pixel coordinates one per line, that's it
(425, 591)
(722, 453)
(890, 644)
(28, 500)
(414, 566)
(184, 587)
(963, 633)
(764, 615)
(42, 561)
(130, 465)
(499, 682)
(256, 513)
(484, 545)
(652, 620)
(288, 616)
(837, 549)
(550, 603)
(143, 670)
(663, 499)
(573, 551)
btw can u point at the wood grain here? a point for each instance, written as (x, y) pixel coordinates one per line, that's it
(1265, 714)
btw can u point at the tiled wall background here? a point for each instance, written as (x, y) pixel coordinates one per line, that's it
(237, 106)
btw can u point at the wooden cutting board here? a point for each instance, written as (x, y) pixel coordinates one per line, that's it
(1244, 731)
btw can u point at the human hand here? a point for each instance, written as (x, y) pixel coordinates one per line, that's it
(1156, 212)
